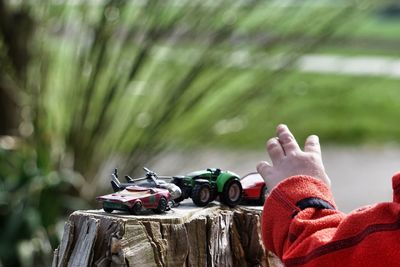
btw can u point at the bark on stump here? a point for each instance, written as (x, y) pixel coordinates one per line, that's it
(187, 236)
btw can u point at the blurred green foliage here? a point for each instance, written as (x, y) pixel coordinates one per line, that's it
(31, 201)
(99, 82)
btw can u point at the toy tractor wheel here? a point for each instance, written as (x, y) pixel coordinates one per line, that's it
(136, 208)
(263, 195)
(108, 210)
(178, 181)
(162, 206)
(179, 199)
(201, 194)
(232, 193)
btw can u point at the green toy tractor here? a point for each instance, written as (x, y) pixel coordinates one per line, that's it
(205, 186)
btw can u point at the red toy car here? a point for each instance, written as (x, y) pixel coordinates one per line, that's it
(254, 189)
(136, 198)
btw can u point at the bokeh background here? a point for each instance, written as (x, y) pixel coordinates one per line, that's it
(181, 85)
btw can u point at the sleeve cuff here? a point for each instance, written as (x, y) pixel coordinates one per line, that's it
(314, 202)
(284, 202)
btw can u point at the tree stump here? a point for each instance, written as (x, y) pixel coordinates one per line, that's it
(184, 236)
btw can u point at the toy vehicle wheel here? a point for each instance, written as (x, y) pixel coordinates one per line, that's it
(108, 210)
(263, 195)
(178, 181)
(136, 208)
(179, 199)
(232, 193)
(201, 194)
(162, 205)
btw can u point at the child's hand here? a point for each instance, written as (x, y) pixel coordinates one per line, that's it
(289, 160)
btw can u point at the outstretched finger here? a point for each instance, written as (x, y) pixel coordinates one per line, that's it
(287, 139)
(275, 150)
(312, 144)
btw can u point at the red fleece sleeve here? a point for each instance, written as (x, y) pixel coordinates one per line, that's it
(328, 237)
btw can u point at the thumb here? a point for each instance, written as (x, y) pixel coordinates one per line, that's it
(264, 168)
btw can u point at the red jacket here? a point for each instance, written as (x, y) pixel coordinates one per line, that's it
(301, 225)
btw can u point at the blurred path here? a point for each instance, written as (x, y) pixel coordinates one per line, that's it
(360, 176)
(360, 65)
(313, 63)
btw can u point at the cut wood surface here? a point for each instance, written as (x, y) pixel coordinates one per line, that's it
(184, 236)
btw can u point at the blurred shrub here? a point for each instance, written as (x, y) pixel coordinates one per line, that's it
(31, 202)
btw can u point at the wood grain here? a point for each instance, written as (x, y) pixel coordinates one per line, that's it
(187, 236)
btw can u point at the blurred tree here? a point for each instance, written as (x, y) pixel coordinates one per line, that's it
(16, 31)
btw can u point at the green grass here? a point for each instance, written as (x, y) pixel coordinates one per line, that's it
(357, 50)
(375, 26)
(340, 109)
(370, 34)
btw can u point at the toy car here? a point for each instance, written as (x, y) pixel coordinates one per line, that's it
(254, 188)
(134, 199)
(206, 185)
(151, 180)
